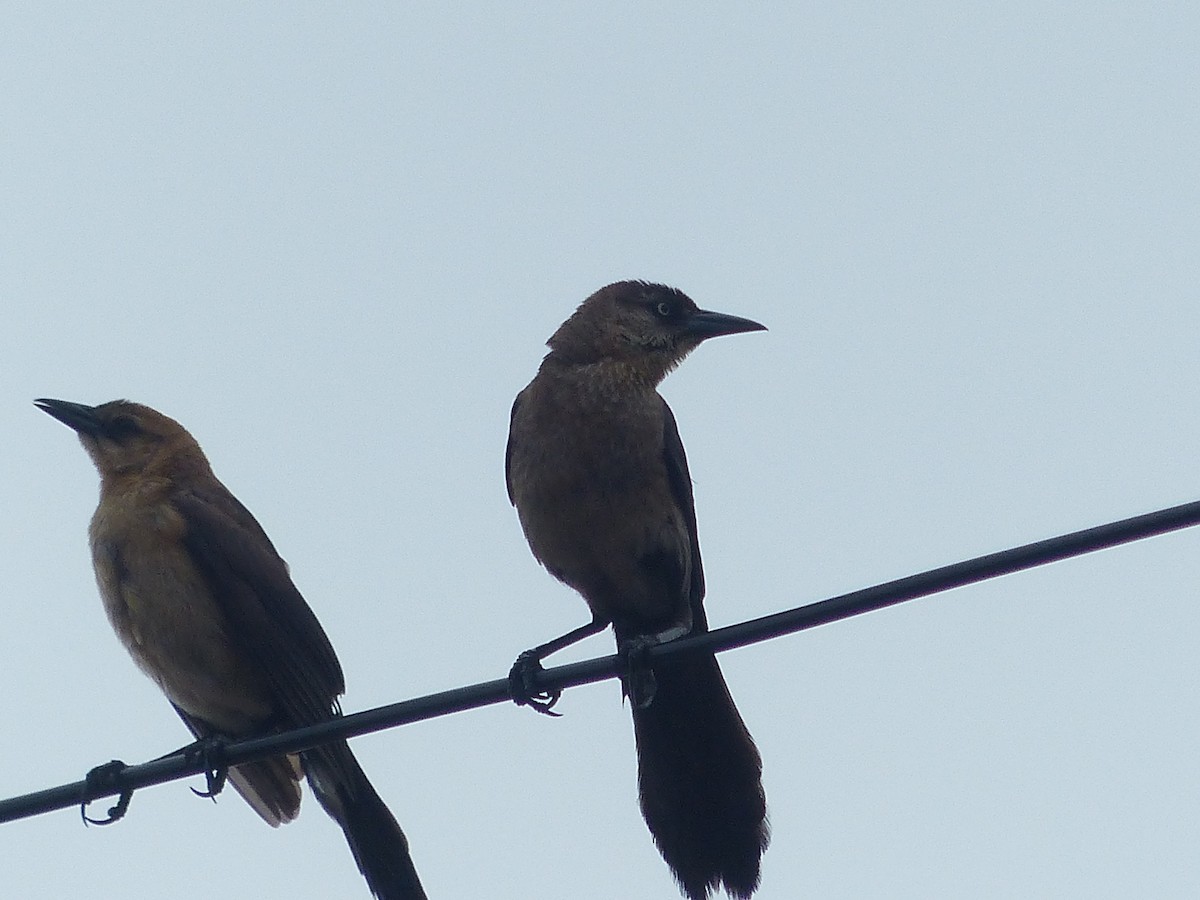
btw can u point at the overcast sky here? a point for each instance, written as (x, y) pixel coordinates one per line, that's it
(333, 243)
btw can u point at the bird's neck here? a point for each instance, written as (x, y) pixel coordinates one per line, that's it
(616, 375)
(169, 468)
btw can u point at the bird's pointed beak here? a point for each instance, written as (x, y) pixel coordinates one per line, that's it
(74, 415)
(705, 324)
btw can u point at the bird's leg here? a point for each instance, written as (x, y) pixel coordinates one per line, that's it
(523, 677)
(523, 684)
(638, 678)
(211, 751)
(639, 681)
(101, 780)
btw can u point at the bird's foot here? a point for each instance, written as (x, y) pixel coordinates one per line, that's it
(99, 781)
(523, 685)
(638, 679)
(211, 751)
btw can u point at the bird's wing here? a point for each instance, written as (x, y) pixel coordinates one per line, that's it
(267, 616)
(508, 451)
(680, 481)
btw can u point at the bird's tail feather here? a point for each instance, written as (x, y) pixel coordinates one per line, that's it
(700, 780)
(376, 840)
(270, 786)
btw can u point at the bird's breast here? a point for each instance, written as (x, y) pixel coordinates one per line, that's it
(163, 610)
(592, 492)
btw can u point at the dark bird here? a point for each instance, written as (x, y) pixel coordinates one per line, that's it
(203, 602)
(600, 481)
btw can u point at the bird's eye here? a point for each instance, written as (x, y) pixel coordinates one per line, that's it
(664, 309)
(123, 426)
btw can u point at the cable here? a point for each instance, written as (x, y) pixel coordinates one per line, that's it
(119, 779)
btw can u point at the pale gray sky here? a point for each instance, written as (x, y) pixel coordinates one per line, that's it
(332, 243)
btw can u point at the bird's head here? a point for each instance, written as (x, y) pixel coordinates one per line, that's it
(125, 438)
(648, 325)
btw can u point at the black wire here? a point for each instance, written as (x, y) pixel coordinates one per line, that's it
(183, 764)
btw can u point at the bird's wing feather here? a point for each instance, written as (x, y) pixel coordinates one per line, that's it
(267, 615)
(508, 451)
(680, 481)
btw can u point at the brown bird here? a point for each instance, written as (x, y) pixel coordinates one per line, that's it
(202, 601)
(600, 481)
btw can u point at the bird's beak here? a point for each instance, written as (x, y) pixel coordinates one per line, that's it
(74, 415)
(704, 324)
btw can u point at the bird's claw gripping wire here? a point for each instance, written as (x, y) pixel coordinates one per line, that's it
(638, 678)
(523, 685)
(211, 751)
(100, 781)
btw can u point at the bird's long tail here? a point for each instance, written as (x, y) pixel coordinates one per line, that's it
(376, 840)
(700, 780)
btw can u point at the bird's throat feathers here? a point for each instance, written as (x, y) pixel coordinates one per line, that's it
(615, 376)
(174, 459)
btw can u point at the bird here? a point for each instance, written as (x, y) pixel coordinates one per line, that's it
(203, 602)
(597, 472)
